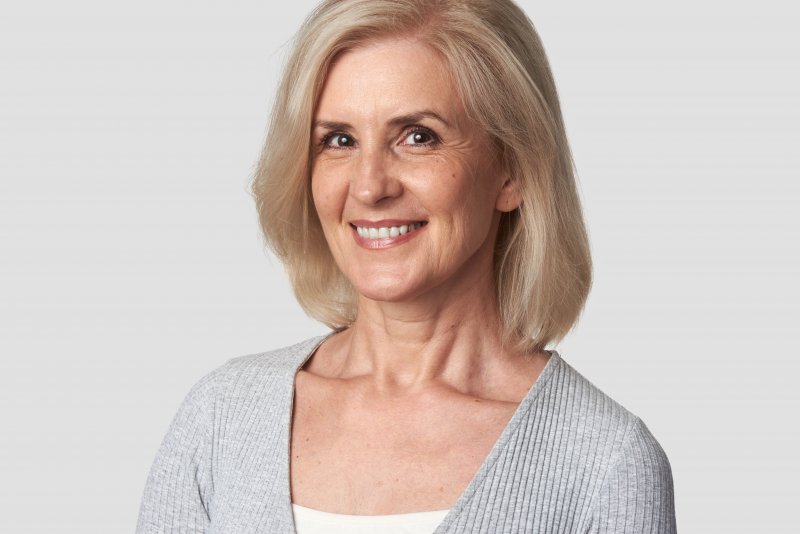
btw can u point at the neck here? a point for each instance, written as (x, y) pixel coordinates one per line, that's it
(450, 335)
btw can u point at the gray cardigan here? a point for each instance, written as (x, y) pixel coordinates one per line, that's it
(570, 460)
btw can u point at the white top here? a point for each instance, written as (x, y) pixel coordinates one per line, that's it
(310, 521)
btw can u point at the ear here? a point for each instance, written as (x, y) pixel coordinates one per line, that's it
(509, 197)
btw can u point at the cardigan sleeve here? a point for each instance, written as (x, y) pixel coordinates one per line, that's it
(636, 496)
(179, 486)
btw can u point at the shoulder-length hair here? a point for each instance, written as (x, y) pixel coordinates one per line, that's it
(542, 266)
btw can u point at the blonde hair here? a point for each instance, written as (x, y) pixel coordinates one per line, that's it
(542, 263)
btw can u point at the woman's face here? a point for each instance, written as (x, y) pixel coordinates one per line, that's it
(407, 189)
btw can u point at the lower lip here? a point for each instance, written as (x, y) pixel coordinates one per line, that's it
(385, 242)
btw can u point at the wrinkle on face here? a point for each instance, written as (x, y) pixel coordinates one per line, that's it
(452, 185)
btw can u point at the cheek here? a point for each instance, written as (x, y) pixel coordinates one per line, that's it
(473, 199)
(326, 192)
(466, 209)
(318, 196)
(474, 210)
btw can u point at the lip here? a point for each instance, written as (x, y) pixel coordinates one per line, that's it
(385, 242)
(385, 222)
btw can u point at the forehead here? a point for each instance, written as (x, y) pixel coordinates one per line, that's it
(388, 77)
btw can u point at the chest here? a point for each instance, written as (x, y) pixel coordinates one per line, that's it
(391, 459)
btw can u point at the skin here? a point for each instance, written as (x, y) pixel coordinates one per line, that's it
(398, 412)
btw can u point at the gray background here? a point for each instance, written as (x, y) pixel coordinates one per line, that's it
(132, 263)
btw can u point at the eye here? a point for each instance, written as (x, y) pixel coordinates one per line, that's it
(420, 136)
(338, 140)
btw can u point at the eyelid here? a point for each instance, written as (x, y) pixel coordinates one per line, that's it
(416, 128)
(324, 142)
(326, 138)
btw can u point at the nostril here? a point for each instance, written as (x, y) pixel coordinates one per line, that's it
(375, 194)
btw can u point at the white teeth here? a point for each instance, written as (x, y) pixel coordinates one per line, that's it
(386, 231)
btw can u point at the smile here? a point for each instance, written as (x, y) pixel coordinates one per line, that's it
(386, 231)
(385, 234)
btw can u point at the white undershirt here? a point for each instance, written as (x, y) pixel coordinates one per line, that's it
(310, 521)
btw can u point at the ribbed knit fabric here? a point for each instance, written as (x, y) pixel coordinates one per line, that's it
(570, 460)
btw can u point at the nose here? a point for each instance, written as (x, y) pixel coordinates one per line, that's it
(374, 179)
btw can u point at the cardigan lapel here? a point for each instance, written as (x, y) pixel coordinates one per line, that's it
(255, 449)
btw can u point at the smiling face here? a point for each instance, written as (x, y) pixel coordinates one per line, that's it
(407, 189)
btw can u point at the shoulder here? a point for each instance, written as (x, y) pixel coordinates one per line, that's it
(240, 385)
(225, 403)
(587, 426)
(230, 412)
(592, 412)
(241, 375)
(628, 469)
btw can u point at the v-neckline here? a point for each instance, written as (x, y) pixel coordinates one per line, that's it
(486, 466)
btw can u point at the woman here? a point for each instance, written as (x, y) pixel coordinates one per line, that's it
(417, 184)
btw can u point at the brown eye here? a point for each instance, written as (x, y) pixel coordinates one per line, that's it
(420, 137)
(339, 140)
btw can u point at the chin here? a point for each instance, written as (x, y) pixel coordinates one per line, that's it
(384, 294)
(394, 290)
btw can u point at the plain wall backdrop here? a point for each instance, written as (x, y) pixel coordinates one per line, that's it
(132, 264)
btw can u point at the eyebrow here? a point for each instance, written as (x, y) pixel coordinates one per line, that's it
(396, 121)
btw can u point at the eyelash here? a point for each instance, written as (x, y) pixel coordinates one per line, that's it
(410, 131)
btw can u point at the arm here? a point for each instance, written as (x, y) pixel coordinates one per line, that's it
(179, 486)
(637, 494)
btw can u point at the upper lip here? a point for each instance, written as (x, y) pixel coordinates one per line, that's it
(363, 223)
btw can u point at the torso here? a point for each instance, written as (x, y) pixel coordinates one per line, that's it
(357, 452)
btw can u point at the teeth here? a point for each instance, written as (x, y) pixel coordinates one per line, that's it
(386, 231)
